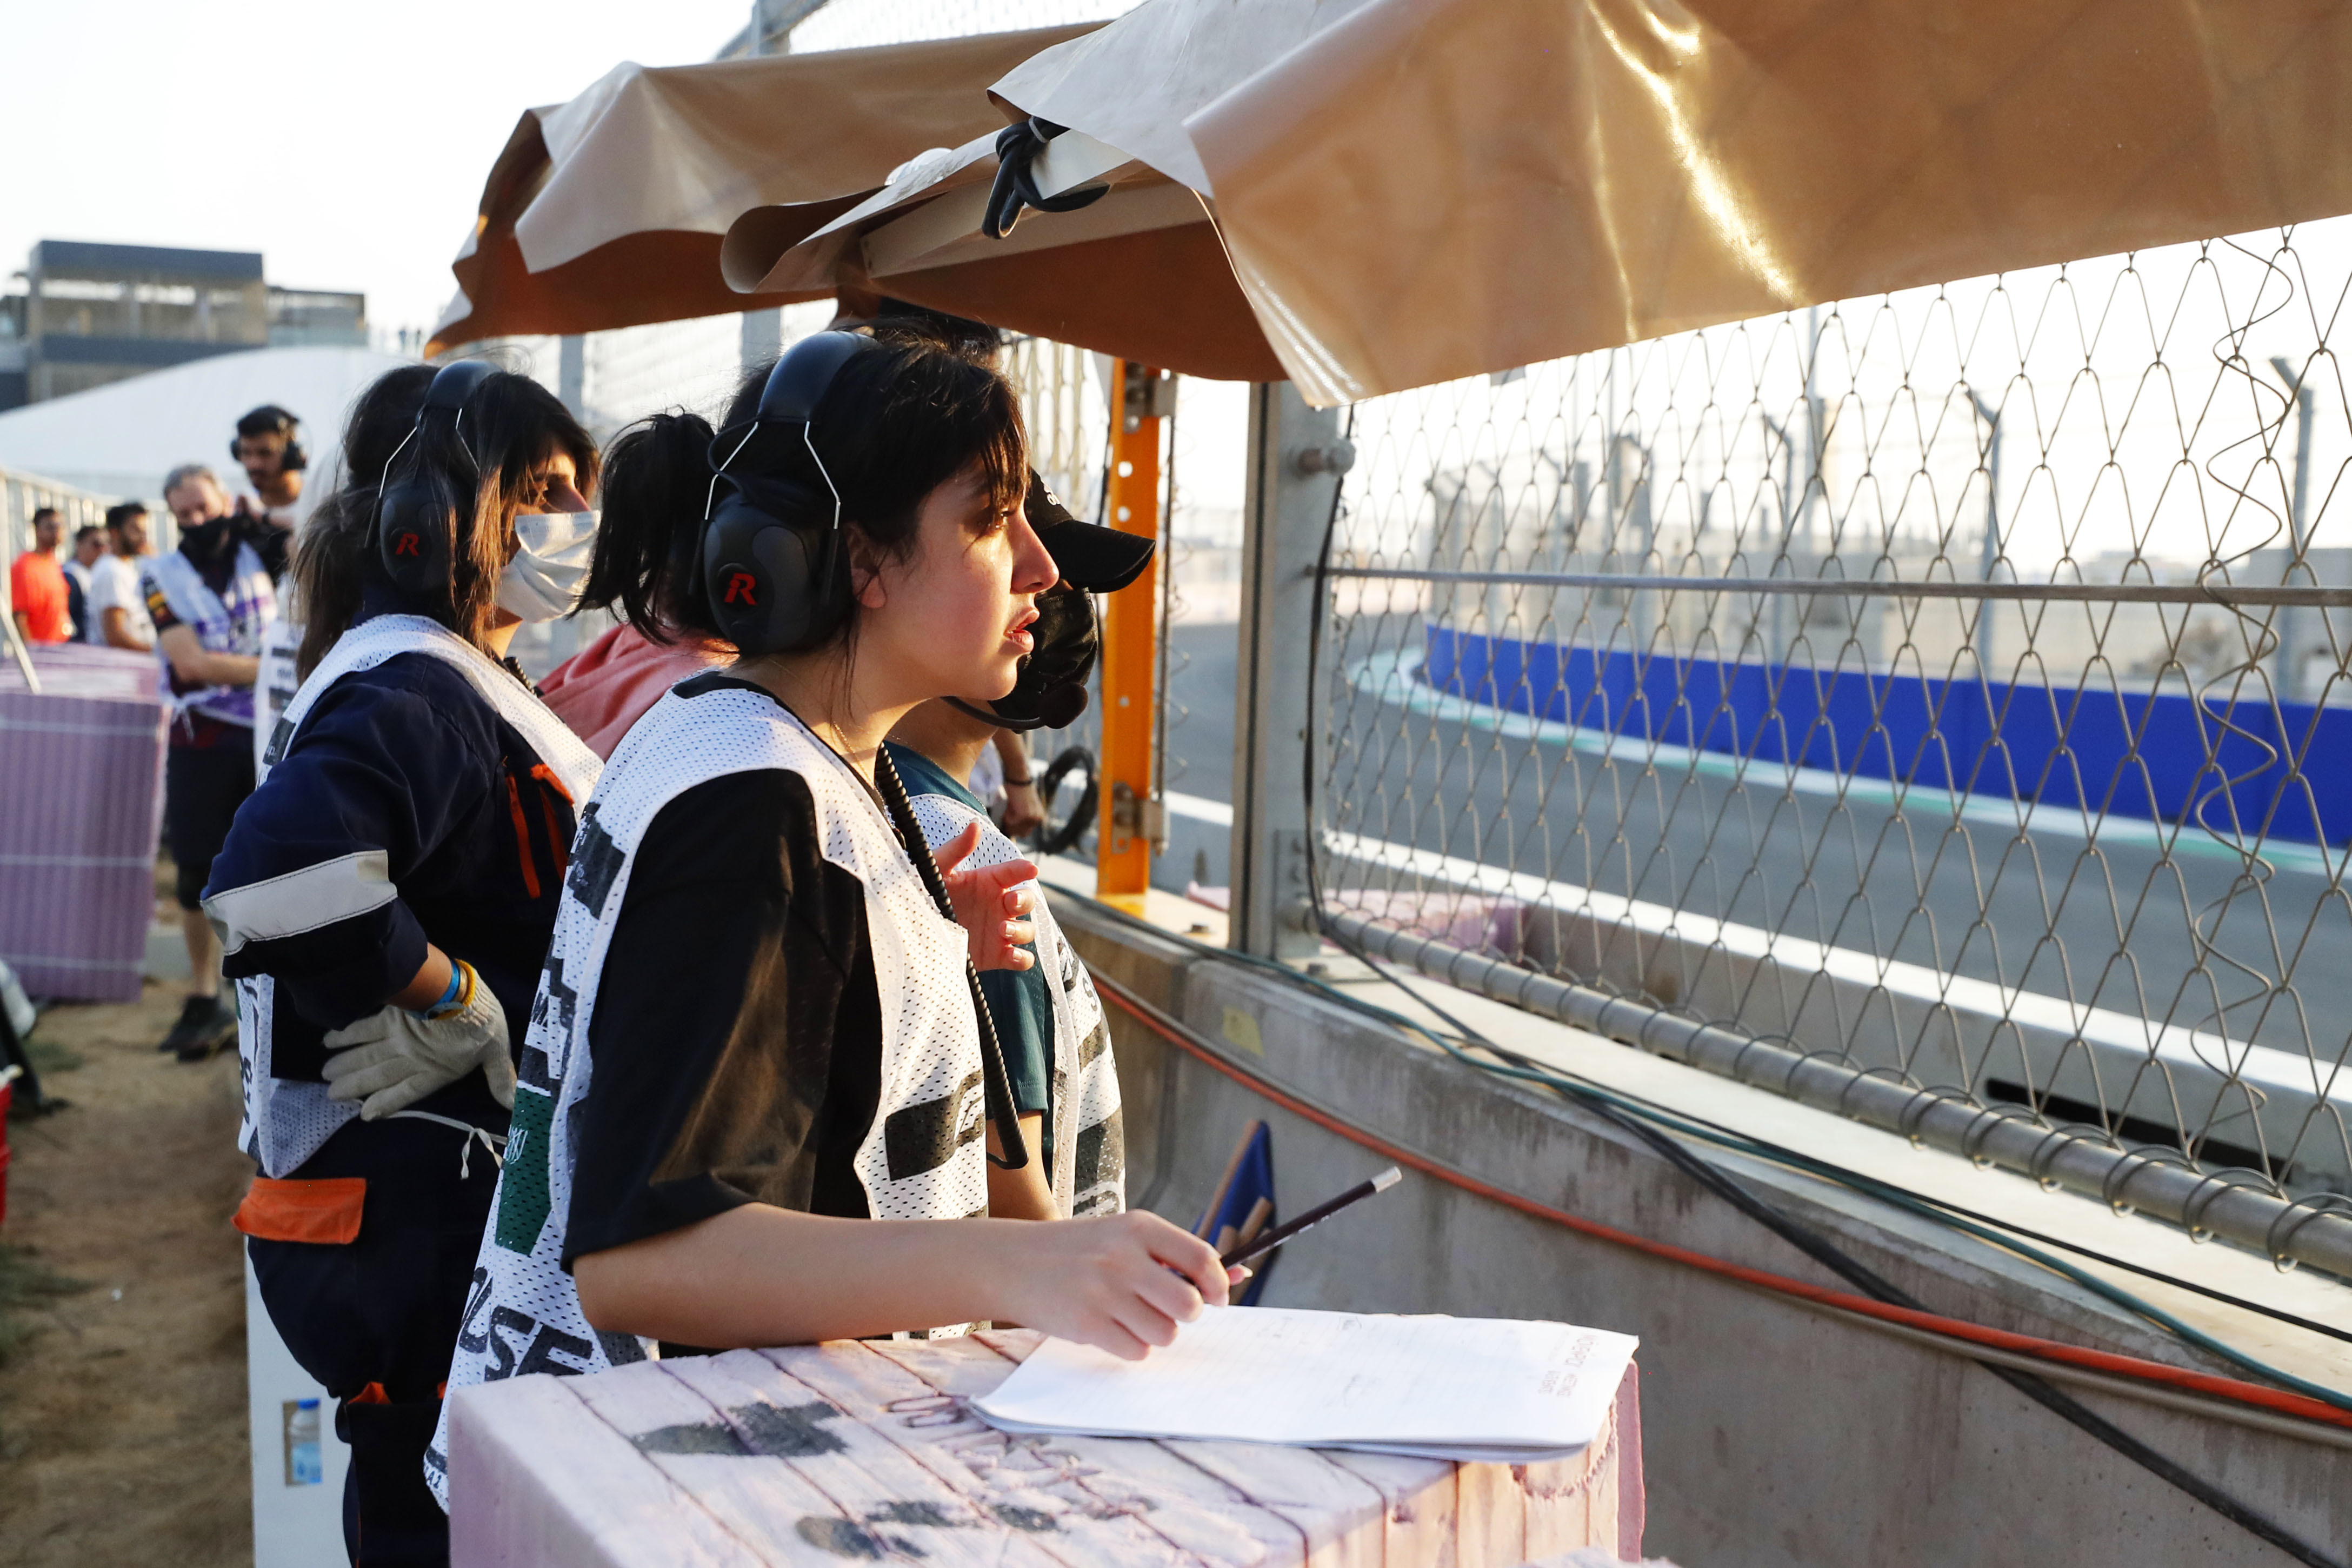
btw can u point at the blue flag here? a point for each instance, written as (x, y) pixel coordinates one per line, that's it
(1249, 1178)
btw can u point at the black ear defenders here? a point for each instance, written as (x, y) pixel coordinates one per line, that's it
(294, 460)
(413, 523)
(775, 567)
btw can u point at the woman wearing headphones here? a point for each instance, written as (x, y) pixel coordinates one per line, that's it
(386, 896)
(758, 1031)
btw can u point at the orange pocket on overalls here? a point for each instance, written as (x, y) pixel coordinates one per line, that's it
(325, 1212)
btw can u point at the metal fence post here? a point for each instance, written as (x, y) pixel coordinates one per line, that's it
(1142, 400)
(2293, 625)
(572, 374)
(1296, 461)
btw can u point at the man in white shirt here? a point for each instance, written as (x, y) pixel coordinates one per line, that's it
(117, 603)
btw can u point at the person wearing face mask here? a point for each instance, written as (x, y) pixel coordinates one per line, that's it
(210, 600)
(386, 896)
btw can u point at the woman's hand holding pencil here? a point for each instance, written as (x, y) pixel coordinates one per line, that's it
(1125, 1282)
(1128, 1282)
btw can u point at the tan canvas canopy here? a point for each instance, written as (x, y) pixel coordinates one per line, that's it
(607, 211)
(1140, 274)
(1376, 195)
(1411, 191)
(1433, 188)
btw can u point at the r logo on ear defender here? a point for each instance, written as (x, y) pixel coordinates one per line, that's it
(408, 503)
(774, 572)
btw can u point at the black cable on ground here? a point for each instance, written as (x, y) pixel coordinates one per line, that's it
(1811, 1243)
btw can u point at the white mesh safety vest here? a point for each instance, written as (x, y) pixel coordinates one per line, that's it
(274, 686)
(925, 1157)
(286, 1121)
(232, 621)
(1089, 1175)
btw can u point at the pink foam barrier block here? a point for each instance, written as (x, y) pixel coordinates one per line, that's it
(1477, 922)
(81, 790)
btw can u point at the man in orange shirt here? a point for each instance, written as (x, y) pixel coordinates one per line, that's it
(36, 584)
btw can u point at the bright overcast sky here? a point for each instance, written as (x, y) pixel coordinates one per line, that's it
(347, 140)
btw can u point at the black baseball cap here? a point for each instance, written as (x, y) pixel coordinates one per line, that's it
(1090, 556)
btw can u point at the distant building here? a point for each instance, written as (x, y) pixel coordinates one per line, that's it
(317, 318)
(91, 314)
(13, 389)
(101, 313)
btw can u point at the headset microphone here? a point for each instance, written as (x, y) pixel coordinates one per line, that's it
(414, 524)
(1051, 691)
(775, 567)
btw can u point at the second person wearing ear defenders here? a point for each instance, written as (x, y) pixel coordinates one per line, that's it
(759, 1030)
(1050, 1021)
(386, 896)
(267, 444)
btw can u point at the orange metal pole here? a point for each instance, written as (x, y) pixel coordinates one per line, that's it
(1123, 836)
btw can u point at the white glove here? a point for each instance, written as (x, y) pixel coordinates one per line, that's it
(391, 1060)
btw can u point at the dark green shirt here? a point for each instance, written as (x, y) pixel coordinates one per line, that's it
(1018, 1001)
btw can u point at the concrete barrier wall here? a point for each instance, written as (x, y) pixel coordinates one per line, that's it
(1774, 1434)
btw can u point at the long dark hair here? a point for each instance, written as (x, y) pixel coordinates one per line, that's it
(510, 421)
(893, 427)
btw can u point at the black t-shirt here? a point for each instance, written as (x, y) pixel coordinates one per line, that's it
(737, 1037)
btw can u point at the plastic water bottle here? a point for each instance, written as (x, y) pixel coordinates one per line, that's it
(305, 1464)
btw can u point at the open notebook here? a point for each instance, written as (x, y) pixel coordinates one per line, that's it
(1451, 1388)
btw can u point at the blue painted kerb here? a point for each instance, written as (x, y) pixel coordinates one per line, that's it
(2134, 754)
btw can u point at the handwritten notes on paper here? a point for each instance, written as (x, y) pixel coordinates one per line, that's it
(1497, 1389)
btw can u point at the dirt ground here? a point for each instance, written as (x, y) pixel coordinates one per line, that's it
(123, 1405)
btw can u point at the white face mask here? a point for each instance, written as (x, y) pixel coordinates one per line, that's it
(542, 582)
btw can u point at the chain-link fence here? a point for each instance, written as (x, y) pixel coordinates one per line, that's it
(1951, 686)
